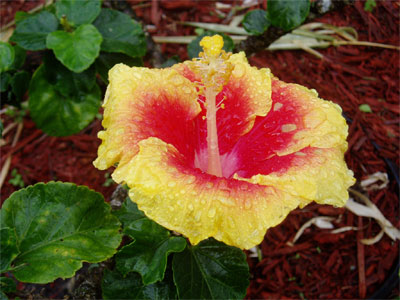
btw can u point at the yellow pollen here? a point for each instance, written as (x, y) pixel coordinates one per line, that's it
(212, 45)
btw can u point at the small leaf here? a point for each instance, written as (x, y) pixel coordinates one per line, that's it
(211, 270)
(106, 61)
(365, 108)
(120, 33)
(194, 47)
(31, 32)
(8, 246)
(152, 244)
(369, 5)
(76, 50)
(78, 12)
(6, 56)
(20, 84)
(57, 114)
(58, 226)
(256, 22)
(7, 285)
(117, 286)
(287, 14)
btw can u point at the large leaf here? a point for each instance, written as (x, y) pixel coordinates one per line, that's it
(288, 14)
(58, 226)
(117, 286)
(211, 270)
(76, 50)
(152, 244)
(194, 47)
(8, 246)
(78, 12)
(57, 114)
(106, 61)
(256, 22)
(6, 56)
(31, 32)
(120, 33)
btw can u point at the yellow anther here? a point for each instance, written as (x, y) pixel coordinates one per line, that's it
(212, 45)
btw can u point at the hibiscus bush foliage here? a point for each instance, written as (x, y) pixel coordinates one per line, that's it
(77, 40)
(49, 230)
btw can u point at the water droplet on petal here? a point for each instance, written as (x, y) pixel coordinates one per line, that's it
(211, 212)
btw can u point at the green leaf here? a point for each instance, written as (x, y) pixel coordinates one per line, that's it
(6, 56)
(76, 50)
(106, 61)
(57, 114)
(148, 256)
(120, 33)
(152, 244)
(256, 22)
(369, 5)
(19, 59)
(7, 285)
(20, 16)
(31, 32)
(117, 286)
(78, 12)
(287, 14)
(8, 246)
(20, 84)
(194, 47)
(211, 270)
(365, 108)
(69, 84)
(4, 81)
(59, 226)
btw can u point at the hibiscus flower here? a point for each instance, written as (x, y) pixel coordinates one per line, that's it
(214, 147)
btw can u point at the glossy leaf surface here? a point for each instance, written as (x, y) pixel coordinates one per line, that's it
(117, 286)
(58, 226)
(120, 33)
(57, 114)
(78, 12)
(256, 22)
(287, 14)
(152, 244)
(211, 270)
(31, 32)
(76, 50)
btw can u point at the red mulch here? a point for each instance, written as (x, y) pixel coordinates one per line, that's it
(320, 264)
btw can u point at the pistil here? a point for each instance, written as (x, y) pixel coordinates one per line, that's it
(214, 161)
(215, 70)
